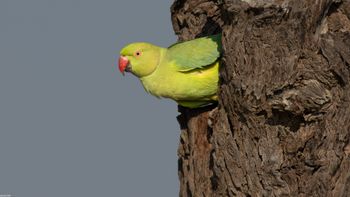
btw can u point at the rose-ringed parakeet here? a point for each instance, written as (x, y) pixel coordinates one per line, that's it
(187, 72)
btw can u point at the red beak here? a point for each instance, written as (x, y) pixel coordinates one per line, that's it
(123, 63)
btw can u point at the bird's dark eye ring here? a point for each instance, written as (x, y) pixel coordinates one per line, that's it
(138, 53)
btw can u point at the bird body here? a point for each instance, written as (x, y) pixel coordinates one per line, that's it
(186, 72)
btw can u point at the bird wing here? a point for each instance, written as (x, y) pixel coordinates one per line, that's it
(196, 53)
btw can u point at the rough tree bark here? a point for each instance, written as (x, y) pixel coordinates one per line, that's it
(282, 125)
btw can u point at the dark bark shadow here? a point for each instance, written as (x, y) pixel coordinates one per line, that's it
(211, 27)
(187, 113)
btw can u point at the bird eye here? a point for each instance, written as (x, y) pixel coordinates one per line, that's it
(138, 53)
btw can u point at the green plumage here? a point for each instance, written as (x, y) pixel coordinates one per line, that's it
(186, 72)
(196, 53)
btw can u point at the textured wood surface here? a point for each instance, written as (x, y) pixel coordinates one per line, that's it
(282, 125)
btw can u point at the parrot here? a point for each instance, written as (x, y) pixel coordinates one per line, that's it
(186, 72)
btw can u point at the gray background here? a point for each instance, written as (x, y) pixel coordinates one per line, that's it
(70, 124)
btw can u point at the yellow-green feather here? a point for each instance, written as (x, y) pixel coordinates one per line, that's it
(197, 53)
(194, 88)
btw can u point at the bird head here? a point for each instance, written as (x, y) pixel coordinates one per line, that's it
(141, 59)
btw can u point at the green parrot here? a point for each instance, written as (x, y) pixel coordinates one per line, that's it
(187, 72)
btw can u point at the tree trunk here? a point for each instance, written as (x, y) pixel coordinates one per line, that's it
(282, 125)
